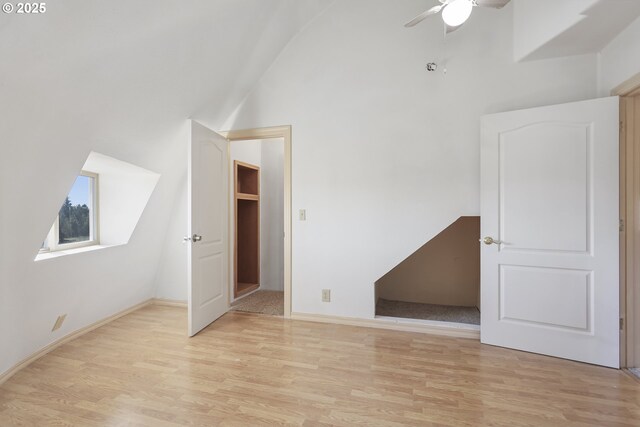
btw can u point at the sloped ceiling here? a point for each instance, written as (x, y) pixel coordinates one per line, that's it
(552, 28)
(163, 57)
(120, 78)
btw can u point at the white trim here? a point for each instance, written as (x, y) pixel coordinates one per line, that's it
(269, 133)
(629, 282)
(94, 222)
(628, 88)
(438, 323)
(455, 330)
(169, 302)
(65, 339)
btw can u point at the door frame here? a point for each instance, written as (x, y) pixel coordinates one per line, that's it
(283, 132)
(629, 247)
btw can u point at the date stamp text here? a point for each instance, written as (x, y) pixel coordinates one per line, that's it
(24, 8)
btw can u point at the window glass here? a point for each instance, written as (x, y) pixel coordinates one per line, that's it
(74, 218)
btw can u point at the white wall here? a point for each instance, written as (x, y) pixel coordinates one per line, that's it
(537, 22)
(620, 59)
(272, 215)
(551, 28)
(385, 154)
(124, 191)
(246, 151)
(122, 79)
(171, 276)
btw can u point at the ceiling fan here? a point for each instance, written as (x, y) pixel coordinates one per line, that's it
(455, 12)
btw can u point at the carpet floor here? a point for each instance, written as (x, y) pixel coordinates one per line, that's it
(413, 310)
(265, 302)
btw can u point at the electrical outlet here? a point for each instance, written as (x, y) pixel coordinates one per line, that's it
(326, 295)
(303, 214)
(59, 322)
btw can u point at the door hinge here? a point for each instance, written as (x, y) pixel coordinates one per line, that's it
(621, 126)
(622, 225)
(621, 324)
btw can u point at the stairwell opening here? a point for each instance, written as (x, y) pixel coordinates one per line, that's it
(438, 282)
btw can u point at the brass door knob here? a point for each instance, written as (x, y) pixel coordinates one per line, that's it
(489, 240)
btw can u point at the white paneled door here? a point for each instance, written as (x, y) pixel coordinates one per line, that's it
(208, 240)
(549, 206)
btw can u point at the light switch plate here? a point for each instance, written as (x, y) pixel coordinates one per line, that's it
(326, 295)
(303, 214)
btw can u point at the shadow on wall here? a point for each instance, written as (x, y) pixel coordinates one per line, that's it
(444, 271)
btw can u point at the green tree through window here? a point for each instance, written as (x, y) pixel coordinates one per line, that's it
(74, 223)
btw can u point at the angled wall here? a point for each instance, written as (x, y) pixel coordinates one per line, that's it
(445, 270)
(122, 79)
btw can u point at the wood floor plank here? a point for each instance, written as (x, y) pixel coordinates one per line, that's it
(252, 370)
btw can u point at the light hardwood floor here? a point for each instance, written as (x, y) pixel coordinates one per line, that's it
(251, 370)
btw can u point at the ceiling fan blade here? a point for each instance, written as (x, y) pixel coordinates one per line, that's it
(424, 15)
(496, 4)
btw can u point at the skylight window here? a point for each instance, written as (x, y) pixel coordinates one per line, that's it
(76, 224)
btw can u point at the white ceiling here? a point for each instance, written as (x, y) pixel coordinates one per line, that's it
(145, 60)
(554, 28)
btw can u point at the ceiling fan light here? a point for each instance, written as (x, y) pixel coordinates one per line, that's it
(457, 12)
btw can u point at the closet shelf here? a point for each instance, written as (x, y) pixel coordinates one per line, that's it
(246, 196)
(247, 178)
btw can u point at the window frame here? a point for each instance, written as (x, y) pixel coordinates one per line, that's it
(53, 236)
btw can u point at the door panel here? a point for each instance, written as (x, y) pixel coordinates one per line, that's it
(208, 268)
(557, 154)
(549, 198)
(564, 294)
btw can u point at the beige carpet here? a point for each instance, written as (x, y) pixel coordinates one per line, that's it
(265, 302)
(413, 310)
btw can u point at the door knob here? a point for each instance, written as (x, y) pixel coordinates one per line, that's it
(489, 240)
(196, 238)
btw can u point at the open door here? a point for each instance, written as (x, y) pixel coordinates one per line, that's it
(549, 206)
(207, 262)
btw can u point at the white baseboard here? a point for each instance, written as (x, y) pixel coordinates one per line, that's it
(396, 324)
(71, 336)
(169, 302)
(450, 330)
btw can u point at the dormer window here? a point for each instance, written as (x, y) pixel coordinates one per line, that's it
(76, 224)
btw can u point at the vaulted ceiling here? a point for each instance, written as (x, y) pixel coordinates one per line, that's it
(143, 60)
